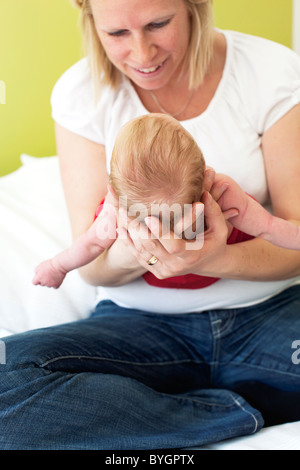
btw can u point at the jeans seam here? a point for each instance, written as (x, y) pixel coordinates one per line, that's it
(99, 358)
(217, 334)
(202, 402)
(237, 402)
(229, 323)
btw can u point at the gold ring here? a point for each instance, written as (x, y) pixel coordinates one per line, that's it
(152, 260)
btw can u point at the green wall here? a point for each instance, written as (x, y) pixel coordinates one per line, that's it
(271, 19)
(39, 39)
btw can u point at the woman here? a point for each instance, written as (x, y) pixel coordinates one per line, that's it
(161, 368)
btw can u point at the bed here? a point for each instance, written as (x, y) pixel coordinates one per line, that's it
(34, 226)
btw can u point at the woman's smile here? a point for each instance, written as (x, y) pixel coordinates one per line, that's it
(150, 71)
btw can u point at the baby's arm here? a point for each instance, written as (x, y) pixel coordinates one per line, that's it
(85, 249)
(253, 218)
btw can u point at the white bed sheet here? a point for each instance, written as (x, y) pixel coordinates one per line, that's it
(34, 226)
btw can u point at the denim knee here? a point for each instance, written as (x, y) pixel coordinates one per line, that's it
(23, 350)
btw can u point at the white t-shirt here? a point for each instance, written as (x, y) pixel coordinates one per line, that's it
(260, 83)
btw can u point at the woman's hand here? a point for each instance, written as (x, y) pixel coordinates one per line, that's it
(217, 189)
(177, 256)
(206, 254)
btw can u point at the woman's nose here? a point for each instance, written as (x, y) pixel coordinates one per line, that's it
(143, 50)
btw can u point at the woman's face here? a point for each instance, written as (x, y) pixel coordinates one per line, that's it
(146, 40)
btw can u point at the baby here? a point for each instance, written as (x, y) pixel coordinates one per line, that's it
(155, 163)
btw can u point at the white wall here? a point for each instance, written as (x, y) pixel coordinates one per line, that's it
(296, 25)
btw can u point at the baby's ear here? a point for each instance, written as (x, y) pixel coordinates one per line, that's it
(112, 196)
(209, 177)
(111, 190)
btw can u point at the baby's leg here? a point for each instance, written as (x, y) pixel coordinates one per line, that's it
(253, 218)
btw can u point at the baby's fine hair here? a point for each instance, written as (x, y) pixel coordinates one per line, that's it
(155, 160)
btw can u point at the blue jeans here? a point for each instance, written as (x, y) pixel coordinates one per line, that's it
(125, 379)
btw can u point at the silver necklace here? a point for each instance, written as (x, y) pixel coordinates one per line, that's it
(165, 111)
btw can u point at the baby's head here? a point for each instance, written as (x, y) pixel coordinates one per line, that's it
(156, 161)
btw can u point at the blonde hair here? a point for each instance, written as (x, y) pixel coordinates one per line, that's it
(197, 59)
(156, 161)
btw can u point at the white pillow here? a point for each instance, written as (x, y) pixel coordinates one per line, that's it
(34, 226)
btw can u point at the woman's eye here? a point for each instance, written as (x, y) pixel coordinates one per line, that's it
(121, 32)
(151, 26)
(158, 25)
